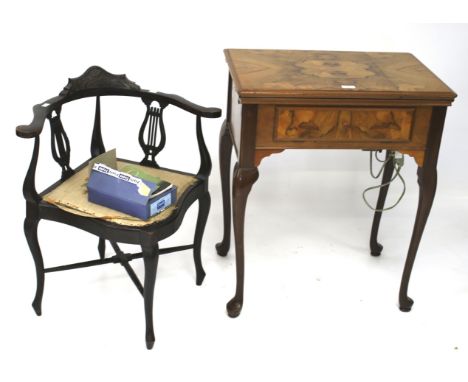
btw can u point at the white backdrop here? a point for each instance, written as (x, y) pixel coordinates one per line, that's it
(317, 306)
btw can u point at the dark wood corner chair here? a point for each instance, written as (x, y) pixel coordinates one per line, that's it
(96, 82)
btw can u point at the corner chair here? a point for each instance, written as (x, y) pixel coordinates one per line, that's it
(51, 204)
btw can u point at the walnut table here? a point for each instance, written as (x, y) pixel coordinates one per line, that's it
(280, 99)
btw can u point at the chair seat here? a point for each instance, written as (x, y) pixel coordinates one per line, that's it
(72, 196)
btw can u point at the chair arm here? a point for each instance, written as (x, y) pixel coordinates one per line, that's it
(41, 112)
(206, 112)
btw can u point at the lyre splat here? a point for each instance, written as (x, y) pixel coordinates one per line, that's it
(60, 144)
(152, 122)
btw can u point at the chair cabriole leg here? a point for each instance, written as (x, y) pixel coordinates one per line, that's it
(150, 258)
(203, 210)
(30, 231)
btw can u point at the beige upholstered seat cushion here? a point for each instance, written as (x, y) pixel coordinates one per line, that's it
(72, 196)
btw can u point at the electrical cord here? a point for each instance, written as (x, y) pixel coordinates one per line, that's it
(397, 165)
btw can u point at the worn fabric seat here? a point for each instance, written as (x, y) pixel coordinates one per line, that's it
(72, 196)
(67, 202)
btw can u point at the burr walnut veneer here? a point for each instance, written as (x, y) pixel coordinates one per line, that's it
(279, 99)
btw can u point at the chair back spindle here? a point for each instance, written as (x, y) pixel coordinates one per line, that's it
(97, 145)
(29, 185)
(205, 160)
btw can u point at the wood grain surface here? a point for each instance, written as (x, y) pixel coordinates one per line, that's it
(283, 74)
(353, 124)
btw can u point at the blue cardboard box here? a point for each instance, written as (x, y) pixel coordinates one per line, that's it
(126, 193)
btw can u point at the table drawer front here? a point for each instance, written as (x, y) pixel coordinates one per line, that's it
(342, 124)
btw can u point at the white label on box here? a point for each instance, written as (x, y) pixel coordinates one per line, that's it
(161, 204)
(143, 189)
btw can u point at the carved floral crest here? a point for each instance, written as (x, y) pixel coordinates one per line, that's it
(96, 77)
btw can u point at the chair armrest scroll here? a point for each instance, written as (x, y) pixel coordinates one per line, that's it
(41, 112)
(206, 112)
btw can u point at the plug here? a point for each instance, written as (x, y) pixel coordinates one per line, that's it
(398, 159)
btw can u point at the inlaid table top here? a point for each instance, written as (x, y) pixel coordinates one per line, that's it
(328, 74)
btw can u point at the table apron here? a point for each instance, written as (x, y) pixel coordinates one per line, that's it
(346, 127)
